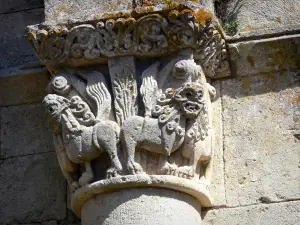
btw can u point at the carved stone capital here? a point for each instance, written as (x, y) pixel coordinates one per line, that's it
(129, 104)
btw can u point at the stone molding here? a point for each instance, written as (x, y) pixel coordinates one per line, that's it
(145, 33)
(197, 190)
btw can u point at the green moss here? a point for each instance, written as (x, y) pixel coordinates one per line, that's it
(231, 28)
(169, 1)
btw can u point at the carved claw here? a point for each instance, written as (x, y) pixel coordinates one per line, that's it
(134, 168)
(74, 186)
(113, 172)
(169, 169)
(186, 172)
(85, 178)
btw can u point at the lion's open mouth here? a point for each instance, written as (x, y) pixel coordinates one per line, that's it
(191, 107)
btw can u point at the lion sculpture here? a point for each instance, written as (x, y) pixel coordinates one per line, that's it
(79, 135)
(176, 119)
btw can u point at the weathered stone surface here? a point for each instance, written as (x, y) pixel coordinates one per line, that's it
(32, 189)
(14, 48)
(26, 87)
(50, 222)
(217, 187)
(287, 213)
(142, 206)
(62, 11)
(175, 134)
(24, 131)
(173, 28)
(261, 130)
(18, 5)
(257, 14)
(259, 56)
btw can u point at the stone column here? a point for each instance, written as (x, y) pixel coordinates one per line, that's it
(130, 108)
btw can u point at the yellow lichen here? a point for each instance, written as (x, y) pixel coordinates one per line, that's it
(248, 28)
(144, 10)
(202, 16)
(149, 2)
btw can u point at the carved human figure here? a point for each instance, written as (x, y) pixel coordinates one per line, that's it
(79, 135)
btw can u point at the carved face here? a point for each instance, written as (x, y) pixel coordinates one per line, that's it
(190, 98)
(54, 106)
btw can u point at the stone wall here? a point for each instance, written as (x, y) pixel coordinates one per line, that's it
(257, 116)
(33, 190)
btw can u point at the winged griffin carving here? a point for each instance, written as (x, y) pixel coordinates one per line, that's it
(81, 133)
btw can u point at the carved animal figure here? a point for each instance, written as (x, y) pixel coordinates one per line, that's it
(169, 123)
(165, 132)
(79, 136)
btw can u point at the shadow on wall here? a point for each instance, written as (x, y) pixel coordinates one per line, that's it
(227, 18)
(275, 93)
(264, 83)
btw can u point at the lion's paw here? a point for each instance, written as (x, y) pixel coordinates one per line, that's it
(186, 172)
(74, 186)
(134, 168)
(86, 178)
(168, 169)
(113, 172)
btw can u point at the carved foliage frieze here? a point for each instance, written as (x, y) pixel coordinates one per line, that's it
(149, 35)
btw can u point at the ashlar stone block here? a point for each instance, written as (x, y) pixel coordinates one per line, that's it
(14, 48)
(18, 5)
(66, 10)
(260, 15)
(287, 213)
(32, 189)
(265, 56)
(261, 138)
(23, 86)
(24, 131)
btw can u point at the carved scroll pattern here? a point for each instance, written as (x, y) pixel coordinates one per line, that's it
(150, 35)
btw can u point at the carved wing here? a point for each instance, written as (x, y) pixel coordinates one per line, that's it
(96, 89)
(149, 88)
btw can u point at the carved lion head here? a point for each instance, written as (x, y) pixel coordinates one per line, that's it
(55, 105)
(190, 99)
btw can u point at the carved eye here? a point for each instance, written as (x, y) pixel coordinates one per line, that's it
(51, 109)
(200, 94)
(188, 94)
